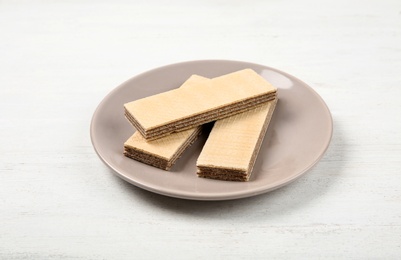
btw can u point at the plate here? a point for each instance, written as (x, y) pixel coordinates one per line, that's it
(298, 135)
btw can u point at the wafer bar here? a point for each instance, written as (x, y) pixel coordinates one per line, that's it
(163, 152)
(184, 108)
(233, 144)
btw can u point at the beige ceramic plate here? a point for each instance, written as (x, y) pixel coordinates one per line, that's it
(297, 138)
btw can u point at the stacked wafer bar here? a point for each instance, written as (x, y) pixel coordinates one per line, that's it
(163, 152)
(233, 144)
(243, 97)
(185, 108)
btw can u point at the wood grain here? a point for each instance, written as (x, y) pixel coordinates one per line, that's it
(59, 59)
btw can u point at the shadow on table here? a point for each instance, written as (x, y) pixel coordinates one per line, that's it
(308, 188)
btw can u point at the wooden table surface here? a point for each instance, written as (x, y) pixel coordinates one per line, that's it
(58, 59)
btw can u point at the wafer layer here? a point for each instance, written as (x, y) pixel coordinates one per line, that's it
(163, 152)
(184, 108)
(232, 147)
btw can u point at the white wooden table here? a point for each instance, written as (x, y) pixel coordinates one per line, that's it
(59, 59)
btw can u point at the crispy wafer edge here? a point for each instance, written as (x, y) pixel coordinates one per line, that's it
(201, 118)
(156, 160)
